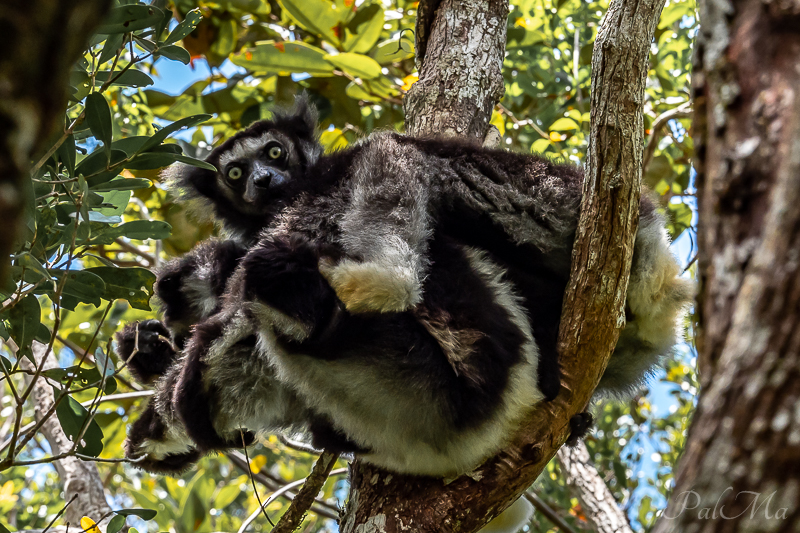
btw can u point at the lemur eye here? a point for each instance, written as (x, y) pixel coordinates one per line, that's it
(234, 173)
(275, 152)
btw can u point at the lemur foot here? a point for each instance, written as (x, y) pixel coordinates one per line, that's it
(154, 352)
(157, 448)
(579, 426)
(283, 273)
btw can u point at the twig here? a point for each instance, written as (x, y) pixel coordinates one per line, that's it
(321, 507)
(252, 479)
(286, 488)
(548, 512)
(682, 111)
(61, 512)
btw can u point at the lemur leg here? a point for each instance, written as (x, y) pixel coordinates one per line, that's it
(433, 391)
(282, 275)
(158, 440)
(385, 231)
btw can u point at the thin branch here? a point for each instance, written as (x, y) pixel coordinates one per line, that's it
(548, 512)
(281, 491)
(321, 507)
(682, 111)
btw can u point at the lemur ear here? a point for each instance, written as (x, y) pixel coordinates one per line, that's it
(302, 118)
(306, 113)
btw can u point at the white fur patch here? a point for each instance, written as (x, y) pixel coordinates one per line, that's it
(373, 286)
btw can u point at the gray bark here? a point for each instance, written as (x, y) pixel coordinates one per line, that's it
(80, 479)
(461, 73)
(596, 500)
(741, 467)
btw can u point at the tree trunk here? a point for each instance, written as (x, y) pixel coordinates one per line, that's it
(445, 101)
(596, 500)
(460, 61)
(744, 443)
(80, 479)
(42, 39)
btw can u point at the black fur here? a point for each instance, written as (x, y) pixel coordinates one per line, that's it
(155, 351)
(150, 426)
(282, 272)
(191, 399)
(580, 425)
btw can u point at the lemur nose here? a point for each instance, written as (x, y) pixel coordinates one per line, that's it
(262, 181)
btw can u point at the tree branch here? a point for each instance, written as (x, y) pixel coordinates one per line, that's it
(596, 500)
(80, 479)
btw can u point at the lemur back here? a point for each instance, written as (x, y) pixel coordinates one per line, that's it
(406, 291)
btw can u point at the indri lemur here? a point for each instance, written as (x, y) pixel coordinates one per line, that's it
(406, 293)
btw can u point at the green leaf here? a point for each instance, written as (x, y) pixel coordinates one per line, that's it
(115, 524)
(364, 29)
(97, 161)
(80, 376)
(66, 154)
(391, 51)
(144, 514)
(3, 528)
(176, 53)
(23, 320)
(187, 26)
(130, 18)
(357, 65)
(154, 160)
(26, 260)
(132, 284)
(124, 184)
(226, 496)
(284, 58)
(110, 49)
(98, 116)
(539, 146)
(322, 17)
(225, 40)
(163, 133)
(114, 202)
(72, 415)
(81, 284)
(128, 78)
(136, 229)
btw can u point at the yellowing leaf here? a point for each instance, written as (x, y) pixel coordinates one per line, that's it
(333, 140)
(7, 493)
(540, 145)
(555, 136)
(357, 65)
(498, 122)
(563, 124)
(410, 80)
(257, 463)
(88, 525)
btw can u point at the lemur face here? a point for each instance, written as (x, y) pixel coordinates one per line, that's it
(254, 170)
(257, 172)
